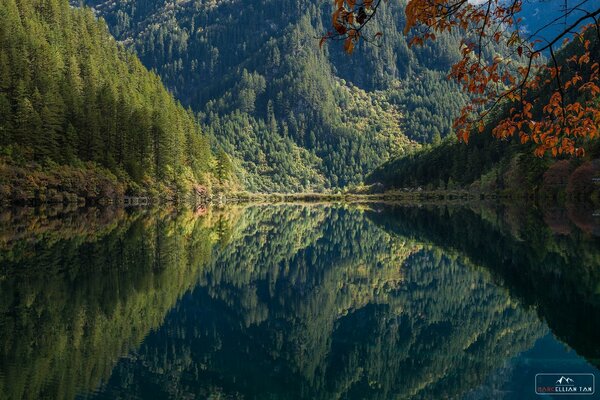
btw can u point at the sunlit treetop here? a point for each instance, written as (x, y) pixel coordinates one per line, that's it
(561, 123)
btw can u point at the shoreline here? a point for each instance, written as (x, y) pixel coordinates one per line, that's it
(223, 198)
(412, 197)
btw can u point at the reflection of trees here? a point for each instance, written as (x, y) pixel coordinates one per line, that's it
(320, 262)
(81, 291)
(317, 302)
(557, 274)
(292, 301)
(25, 232)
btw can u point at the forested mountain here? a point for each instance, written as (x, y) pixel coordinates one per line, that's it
(292, 116)
(488, 164)
(295, 117)
(90, 116)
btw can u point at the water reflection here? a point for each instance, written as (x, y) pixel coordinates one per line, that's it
(555, 273)
(292, 301)
(76, 298)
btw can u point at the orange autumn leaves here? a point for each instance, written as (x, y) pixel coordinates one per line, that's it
(563, 122)
(348, 19)
(559, 122)
(553, 104)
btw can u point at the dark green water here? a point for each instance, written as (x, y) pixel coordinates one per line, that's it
(296, 302)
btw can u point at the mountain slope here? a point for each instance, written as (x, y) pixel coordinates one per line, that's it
(70, 94)
(487, 164)
(284, 108)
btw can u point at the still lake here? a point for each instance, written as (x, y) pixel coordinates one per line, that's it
(297, 301)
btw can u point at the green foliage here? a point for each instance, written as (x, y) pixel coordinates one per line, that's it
(69, 92)
(223, 166)
(448, 162)
(292, 116)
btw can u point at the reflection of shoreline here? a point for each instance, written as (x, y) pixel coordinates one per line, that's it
(28, 222)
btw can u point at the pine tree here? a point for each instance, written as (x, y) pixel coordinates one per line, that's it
(52, 115)
(223, 166)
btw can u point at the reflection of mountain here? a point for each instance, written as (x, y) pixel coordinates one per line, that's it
(289, 302)
(317, 302)
(74, 300)
(558, 275)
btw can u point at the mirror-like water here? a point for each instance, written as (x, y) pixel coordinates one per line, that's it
(296, 302)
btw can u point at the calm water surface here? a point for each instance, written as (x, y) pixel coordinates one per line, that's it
(296, 302)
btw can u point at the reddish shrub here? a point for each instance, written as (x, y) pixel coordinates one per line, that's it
(581, 182)
(557, 220)
(558, 174)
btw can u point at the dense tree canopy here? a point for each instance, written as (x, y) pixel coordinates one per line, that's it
(293, 117)
(69, 93)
